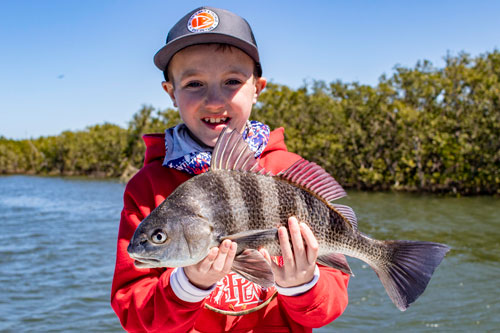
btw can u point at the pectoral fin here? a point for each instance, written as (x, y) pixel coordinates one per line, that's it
(337, 261)
(252, 237)
(252, 265)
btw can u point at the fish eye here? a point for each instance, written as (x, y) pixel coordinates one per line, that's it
(158, 237)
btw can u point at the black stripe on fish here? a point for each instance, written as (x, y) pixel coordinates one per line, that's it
(336, 220)
(252, 196)
(286, 198)
(219, 201)
(315, 208)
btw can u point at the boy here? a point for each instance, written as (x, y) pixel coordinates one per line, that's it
(213, 76)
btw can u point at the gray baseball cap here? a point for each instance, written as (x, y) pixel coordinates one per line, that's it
(209, 25)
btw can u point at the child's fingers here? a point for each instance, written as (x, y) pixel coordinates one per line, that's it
(209, 259)
(266, 255)
(274, 266)
(297, 242)
(286, 250)
(220, 261)
(230, 257)
(311, 242)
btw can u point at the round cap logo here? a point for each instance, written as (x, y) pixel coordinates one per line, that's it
(202, 21)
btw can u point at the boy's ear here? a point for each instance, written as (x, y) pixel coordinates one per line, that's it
(169, 88)
(260, 84)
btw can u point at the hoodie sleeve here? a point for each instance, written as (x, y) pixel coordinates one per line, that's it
(322, 304)
(144, 299)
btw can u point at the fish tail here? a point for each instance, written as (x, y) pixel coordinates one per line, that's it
(409, 269)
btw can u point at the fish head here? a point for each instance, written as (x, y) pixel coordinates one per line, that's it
(171, 236)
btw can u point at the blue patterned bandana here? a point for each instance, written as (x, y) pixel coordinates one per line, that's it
(186, 154)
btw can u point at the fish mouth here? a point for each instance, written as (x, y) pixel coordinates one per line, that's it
(142, 262)
(147, 263)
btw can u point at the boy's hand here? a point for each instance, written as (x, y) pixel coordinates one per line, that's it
(214, 267)
(299, 265)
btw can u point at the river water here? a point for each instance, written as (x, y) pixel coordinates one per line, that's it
(58, 239)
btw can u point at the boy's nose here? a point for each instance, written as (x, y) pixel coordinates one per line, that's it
(214, 99)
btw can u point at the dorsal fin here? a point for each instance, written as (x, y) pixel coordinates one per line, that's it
(314, 178)
(231, 152)
(348, 213)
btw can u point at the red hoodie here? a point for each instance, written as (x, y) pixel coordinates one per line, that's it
(144, 299)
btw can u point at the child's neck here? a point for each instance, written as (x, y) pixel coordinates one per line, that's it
(198, 141)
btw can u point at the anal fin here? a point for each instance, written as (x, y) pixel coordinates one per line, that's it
(335, 260)
(252, 265)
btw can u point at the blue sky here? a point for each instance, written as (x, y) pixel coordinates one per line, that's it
(66, 65)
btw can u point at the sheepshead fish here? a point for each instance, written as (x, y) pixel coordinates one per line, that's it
(239, 200)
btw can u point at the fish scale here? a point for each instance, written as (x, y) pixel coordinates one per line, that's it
(239, 200)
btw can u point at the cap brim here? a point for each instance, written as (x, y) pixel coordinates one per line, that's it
(165, 54)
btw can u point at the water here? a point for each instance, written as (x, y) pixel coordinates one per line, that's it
(463, 294)
(57, 253)
(58, 243)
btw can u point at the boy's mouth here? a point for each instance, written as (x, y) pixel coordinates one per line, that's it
(216, 120)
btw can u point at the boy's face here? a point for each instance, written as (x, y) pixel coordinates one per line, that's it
(213, 88)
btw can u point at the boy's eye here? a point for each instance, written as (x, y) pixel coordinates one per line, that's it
(193, 84)
(233, 82)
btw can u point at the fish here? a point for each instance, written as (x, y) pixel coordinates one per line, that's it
(237, 199)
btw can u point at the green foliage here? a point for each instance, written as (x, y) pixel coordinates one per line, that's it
(94, 151)
(101, 150)
(146, 120)
(423, 129)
